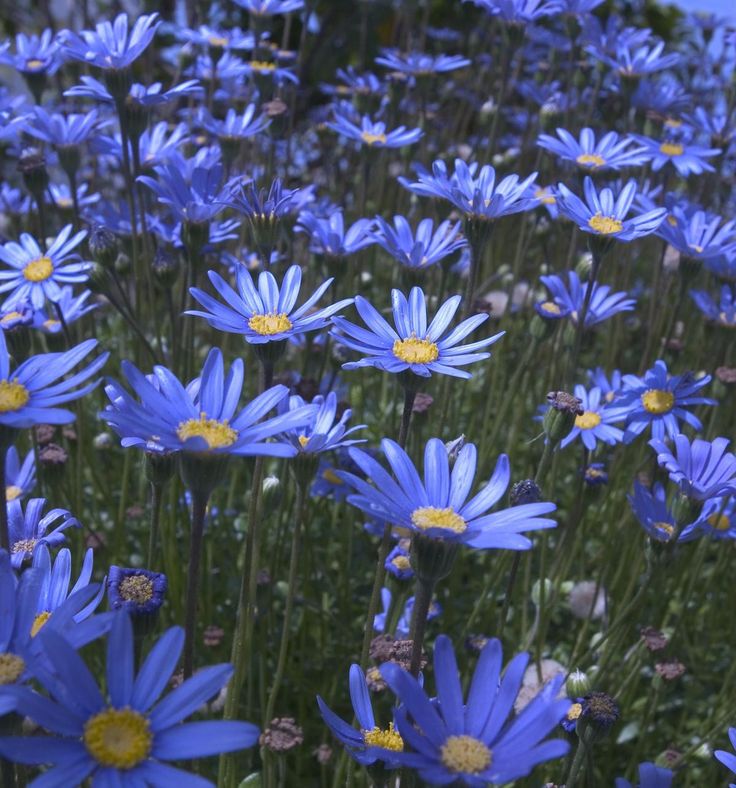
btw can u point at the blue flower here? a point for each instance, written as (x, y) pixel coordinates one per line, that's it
(33, 275)
(35, 54)
(267, 205)
(218, 38)
(139, 592)
(728, 759)
(473, 741)
(322, 433)
(126, 736)
(412, 345)
(374, 134)
(718, 518)
(31, 393)
(634, 59)
(476, 197)
(650, 776)
(265, 314)
(439, 507)
(661, 400)
(698, 236)
(611, 152)
(570, 298)
(236, 126)
(270, 7)
(109, 46)
(328, 482)
(20, 479)
(421, 249)
(72, 308)
(420, 64)
(369, 743)
(60, 196)
(687, 159)
(62, 131)
(28, 528)
(200, 418)
(138, 95)
(701, 469)
(403, 625)
(594, 424)
(328, 236)
(611, 386)
(398, 563)
(655, 516)
(595, 474)
(518, 12)
(721, 313)
(605, 214)
(355, 83)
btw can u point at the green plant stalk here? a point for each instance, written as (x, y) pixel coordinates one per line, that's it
(199, 511)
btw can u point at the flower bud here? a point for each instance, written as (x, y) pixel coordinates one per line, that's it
(578, 684)
(103, 246)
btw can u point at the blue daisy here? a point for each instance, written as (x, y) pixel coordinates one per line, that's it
(698, 235)
(610, 152)
(329, 237)
(29, 528)
(569, 299)
(126, 736)
(661, 400)
(34, 275)
(20, 478)
(412, 345)
(374, 133)
(720, 313)
(438, 507)
(419, 64)
(686, 158)
(35, 55)
(323, 432)
(718, 518)
(421, 248)
(270, 7)
(201, 417)
(236, 126)
(595, 422)
(634, 59)
(728, 759)
(71, 307)
(473, 741)
(656, 517)
(139, 592)
(650, 776)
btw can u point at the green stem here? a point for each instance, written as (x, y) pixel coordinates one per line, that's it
(199, 510)
(422, 602)
(156, 500)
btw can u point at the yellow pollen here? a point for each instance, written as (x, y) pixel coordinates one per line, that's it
(657, 401)
(575, 711)
(605, 225)
(34, 62)
(51, 324)
(39, 621)
(13, 492)
(38, 270)
(136, 588)
(673, 123)
(11, 668)
(588, 420)
(217, 41)
(268, 325)
(401, 562)
(544, 196)
(218, 434)
(465, 755)
(697, 248)
(10, 316)
(23, 546)
(65, 202)
(551, 307)
(330, 476)
(667, 529)
(671, 148)
(591, 160)
(372, 139)
(720, 522)
(427, 517)
(118, 738)
(13, 396)
(262, 65)
(387, 740)
(671, 220)
(303, 440)
(416, 351)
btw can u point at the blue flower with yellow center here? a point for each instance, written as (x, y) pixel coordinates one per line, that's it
(374, 134)
(633, 60)
(266, 313)
(419, 64)
(595, 422)
(325, 431)
(610, 152)
(472, 741)
(697, 234)
(270, 7)
(420, 248)
(329, 236)
(661, 400)
(720, 313)
(203, 417)
(126, 735)
(139, 592)
(568, 299)
(656, 517)
(717, 519)
(28, 528)
(439, 505)
(71, 307)
(35, 275)
(686, 158)
(35, 54)
(20, 478)
(413, 345)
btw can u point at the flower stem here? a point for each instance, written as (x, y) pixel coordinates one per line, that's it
(199, 509)
(422, 601)
(4, 533)
(156, 500)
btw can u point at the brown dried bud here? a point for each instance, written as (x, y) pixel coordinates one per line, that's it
(726, 375)
(401, 654)
(45, 433)
(653, 639)
(422, 403)
(670, 670)
(212, 636)
(281, 735)
(381, 648)
(52, 456)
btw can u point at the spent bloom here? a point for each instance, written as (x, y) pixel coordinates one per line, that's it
(412, 345)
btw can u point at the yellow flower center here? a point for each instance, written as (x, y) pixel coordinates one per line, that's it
(372, 139)
(11, 668)
(262, 65)
(13, 396)
(330, 476)
(65, 202)
(544, 196)
(51, 324)
(9, 317)
(427, 517)
(575, 711)
(118, 738)
(465, 755)
(23, 546)
(303, 440)
(39, 621)
(671, 220)
(605, 225)
(34, 62)
(671, 148)
(592, 160)
(217, 41)
(388, 739)
(401, 562)
(218, 434)
(12, 492)
(673, 123)
(667, 529)
(720, 522)
(38, 270)
(588, 420)
(657, 401)
(551, 308)
(268, 325)
(416, 351)
(136, 588)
